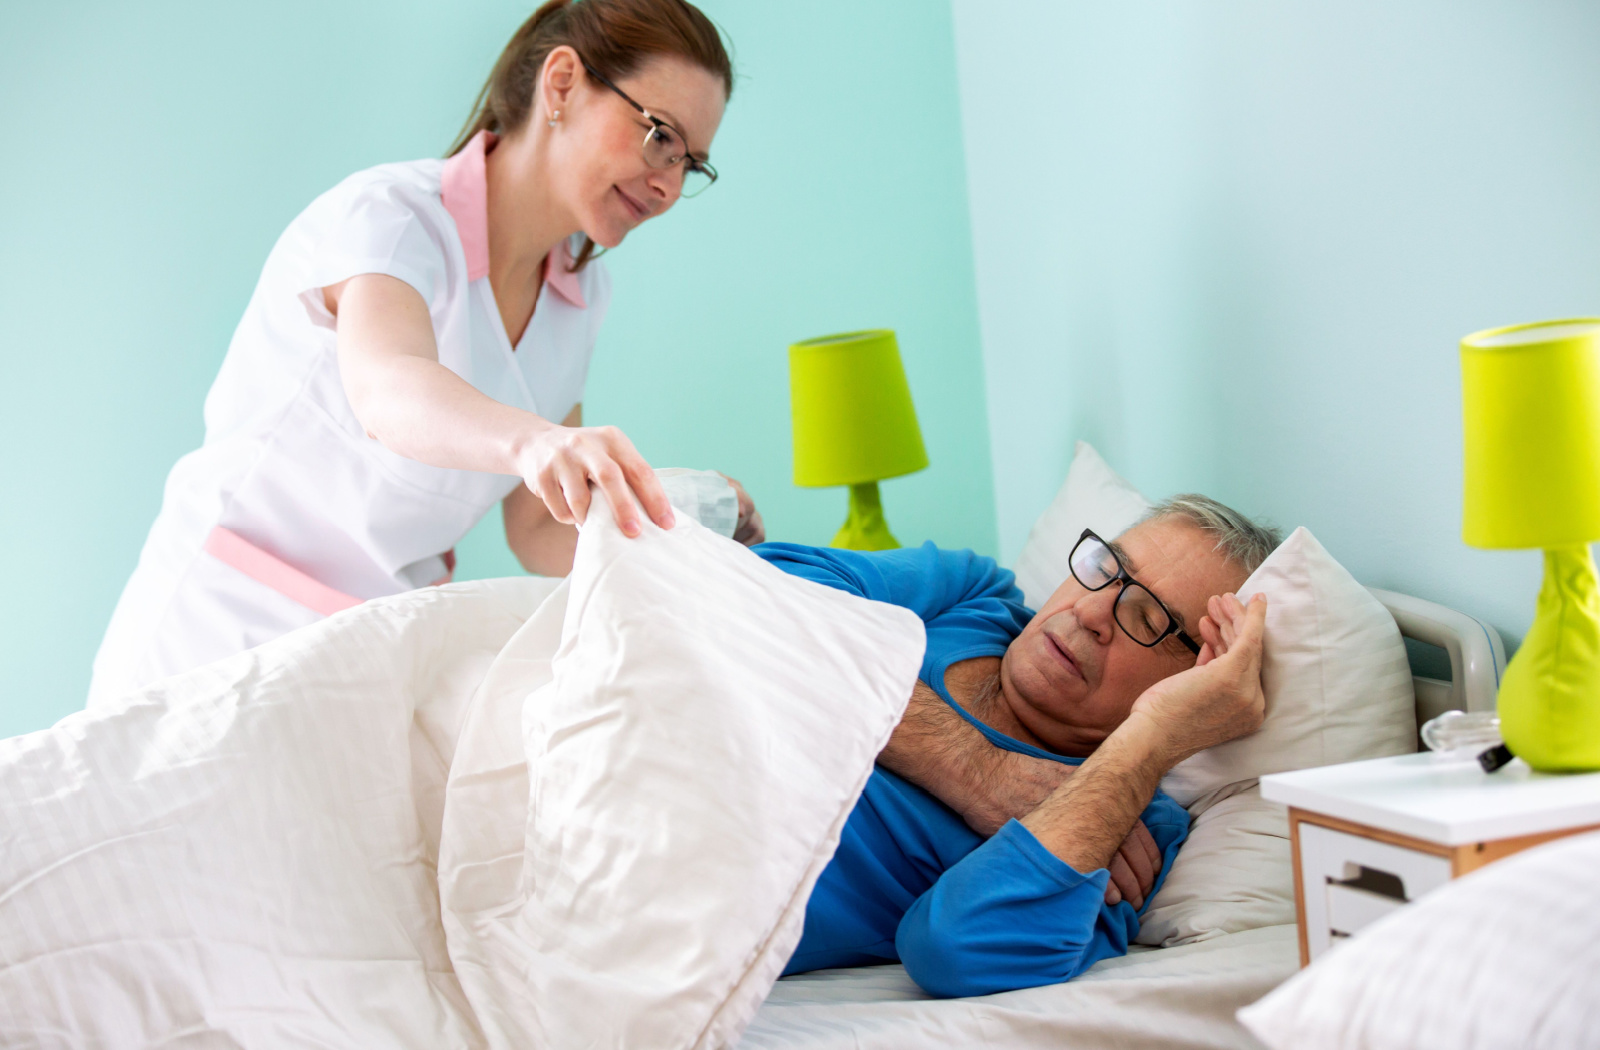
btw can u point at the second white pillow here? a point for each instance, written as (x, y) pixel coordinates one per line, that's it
(1093, 497)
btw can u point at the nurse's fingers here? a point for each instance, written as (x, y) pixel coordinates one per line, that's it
(573, 485)
(751, 530)
(645, 484)
(546, 484)
(614, 487)
(550, 491)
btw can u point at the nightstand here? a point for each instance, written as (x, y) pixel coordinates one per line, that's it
(1368, 837)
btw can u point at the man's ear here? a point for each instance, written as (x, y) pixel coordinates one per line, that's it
(558, 80)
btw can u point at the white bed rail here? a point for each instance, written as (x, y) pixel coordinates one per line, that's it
(1477, 656)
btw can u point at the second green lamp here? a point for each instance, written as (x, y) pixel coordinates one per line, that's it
(1530, 398)
(854, 425)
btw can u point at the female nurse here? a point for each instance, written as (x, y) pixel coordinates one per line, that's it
(416, 348)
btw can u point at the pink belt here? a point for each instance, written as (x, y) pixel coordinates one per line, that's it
(234, 550)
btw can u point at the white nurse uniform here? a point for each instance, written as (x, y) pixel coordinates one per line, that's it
(289, 511)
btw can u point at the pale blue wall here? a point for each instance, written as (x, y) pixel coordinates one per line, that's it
(1234, 245)
(154, 152)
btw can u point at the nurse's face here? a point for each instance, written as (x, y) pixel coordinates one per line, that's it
(598, 167)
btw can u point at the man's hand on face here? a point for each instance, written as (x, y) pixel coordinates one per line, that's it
(1220, 697)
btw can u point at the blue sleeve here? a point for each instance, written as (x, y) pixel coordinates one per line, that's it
(931, 582)
(1011, 914)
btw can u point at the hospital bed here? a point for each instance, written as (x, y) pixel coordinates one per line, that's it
(322, 841)
(1153, 997)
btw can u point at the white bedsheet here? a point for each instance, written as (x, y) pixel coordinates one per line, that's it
(1171, 998)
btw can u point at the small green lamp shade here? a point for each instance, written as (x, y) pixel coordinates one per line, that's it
(854, 425)
(1530, 397)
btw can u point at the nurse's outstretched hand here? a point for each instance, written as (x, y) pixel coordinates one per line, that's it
(749, 530)
(560, 463)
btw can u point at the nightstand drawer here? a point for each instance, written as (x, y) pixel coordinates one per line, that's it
(1347, 882)
(1352, 909)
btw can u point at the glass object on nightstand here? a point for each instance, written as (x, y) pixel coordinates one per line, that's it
(1462, 734)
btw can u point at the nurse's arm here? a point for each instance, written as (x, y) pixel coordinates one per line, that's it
(541, 543)
(418, 408)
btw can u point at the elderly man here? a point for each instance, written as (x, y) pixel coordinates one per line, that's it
(1013, 828)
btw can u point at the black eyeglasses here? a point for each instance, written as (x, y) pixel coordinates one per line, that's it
(1138, 612)
(665, 146)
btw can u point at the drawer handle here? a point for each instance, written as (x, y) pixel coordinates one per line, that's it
(1373, 880)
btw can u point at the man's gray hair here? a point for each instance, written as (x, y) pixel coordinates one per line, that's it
(1244, 542)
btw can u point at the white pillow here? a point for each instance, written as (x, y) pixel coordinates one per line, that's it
(1508, 956)
(1092, 497)
(628, 849)
(1234, 873)
(1335, 672)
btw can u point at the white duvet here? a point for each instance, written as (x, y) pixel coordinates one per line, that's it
(496, 814)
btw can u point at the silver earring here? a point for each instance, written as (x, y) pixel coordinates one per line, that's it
(555, 118)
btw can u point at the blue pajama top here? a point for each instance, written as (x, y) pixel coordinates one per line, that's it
(910, 881)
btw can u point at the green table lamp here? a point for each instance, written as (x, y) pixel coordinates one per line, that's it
(854, 425)
(1530, 398)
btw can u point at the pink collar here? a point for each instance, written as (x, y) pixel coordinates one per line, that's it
(464, 188)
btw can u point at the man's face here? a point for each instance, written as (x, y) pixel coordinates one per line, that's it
(1072, 675)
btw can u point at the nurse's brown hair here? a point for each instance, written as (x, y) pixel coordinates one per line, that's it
(613, 36)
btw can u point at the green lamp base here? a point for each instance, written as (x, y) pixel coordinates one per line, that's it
(1549, 701)
(864, 529)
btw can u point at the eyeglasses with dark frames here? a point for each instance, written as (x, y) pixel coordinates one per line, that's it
(1137, 610)
(665, 146)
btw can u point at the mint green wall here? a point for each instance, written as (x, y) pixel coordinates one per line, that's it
(1234, 245)
(156, 150)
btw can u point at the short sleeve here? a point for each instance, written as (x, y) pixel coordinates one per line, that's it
(374, 226)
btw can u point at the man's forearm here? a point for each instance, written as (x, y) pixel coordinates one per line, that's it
(940, 752)
(1087, 818)
(945, 755)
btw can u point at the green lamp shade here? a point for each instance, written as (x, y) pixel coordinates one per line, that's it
(854, 425)
(1530, 398)
(853, 419)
